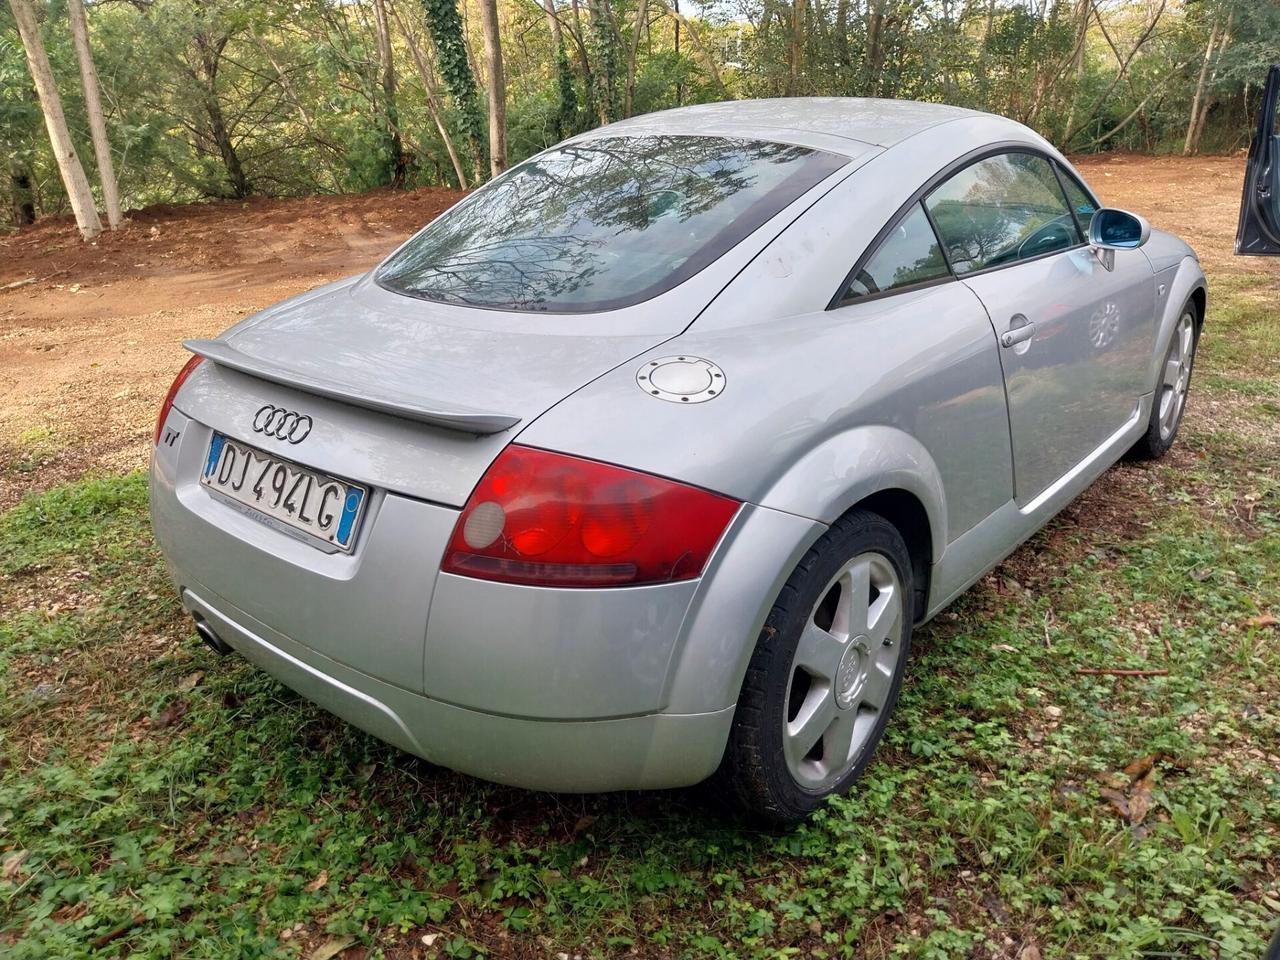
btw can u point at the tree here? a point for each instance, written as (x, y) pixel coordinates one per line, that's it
(93, 106)
(497, 87)
(446, 30)
(55, 121)
(399, 165)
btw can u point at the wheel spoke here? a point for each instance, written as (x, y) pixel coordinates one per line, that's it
(875, 692)
(815, 716)
(818, 652)
(1188, 335)
(1172, 371)
(856, 589)
(883, 614)
(837, 743)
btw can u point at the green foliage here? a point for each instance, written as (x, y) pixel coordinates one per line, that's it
(218, 100)
(446, 31)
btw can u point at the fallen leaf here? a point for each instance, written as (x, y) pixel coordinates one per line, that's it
(1029, 952)
(171, 714)
(1141, 767)
(584, 823)
(995, 906)
(331, 948)
(1140, 800)
(1117, 800)
(1264, 620)
(364, 771)
(12, 862)
(190, 681)
(318, 882)
(1003, 648)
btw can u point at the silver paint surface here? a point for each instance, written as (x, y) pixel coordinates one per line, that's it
(622, 688)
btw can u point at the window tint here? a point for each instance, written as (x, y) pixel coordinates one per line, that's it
(1081, 204)
(1000, 210)
(910, 254)
(603, 223)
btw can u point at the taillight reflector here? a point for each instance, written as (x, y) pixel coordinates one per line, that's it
(548, 519)
(178, 381)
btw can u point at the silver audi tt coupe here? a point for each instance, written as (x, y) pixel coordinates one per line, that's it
(639, 464)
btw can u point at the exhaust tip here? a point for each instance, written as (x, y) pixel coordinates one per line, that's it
(211, 638)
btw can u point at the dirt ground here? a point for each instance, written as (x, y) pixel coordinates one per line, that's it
(90, 334)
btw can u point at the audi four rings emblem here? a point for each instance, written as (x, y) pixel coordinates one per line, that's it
(281, 423)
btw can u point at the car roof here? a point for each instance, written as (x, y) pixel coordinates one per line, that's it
(811, 121)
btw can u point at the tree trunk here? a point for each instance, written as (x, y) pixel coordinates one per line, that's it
(24, 206)
(642, 13)
(1189, 143)
(1197, 131)
(55, 122)
(497, 87)
(795, 50)
(427, 72)
(445, 25)
(553, 23)
(210, 54)
(93, 106)
(399, 166)
(1083, 11)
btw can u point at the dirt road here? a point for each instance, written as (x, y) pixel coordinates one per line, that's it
(90, 334)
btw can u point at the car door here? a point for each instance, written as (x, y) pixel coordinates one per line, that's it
(1074, 332)
(1258, 234)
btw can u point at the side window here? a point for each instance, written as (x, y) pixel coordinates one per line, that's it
(1000, 210)
(908, 255)
(1081, 205)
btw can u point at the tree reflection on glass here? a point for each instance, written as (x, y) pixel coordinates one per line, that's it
(1005, 208)
(603, 223)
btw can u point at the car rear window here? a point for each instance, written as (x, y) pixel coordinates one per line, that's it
(603, 223)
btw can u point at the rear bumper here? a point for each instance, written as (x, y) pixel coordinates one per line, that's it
(646, 752)
(568, 690)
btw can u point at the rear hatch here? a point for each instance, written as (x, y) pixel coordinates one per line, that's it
(427, 393)
(387, 384)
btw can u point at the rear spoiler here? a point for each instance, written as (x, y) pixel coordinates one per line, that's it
(456, 418)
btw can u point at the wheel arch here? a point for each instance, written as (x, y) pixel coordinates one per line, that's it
(904, 510)
(877, 468)
(1187, 286)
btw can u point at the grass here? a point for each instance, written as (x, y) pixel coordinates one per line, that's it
(158, 802)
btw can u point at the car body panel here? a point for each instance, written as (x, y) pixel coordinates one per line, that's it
(824, 403)
(1080, 372)
(366, 340)
(866, 420)
(653, 751)
(337, 601)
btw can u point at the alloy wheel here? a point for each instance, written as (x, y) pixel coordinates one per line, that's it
(842, 675)
(1177, 376)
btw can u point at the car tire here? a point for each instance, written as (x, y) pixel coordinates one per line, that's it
(827, 667)
(1173, 385)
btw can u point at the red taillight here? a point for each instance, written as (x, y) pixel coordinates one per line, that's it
(178, 381)
(552, 520)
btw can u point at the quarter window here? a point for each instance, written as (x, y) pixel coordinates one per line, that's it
(1001, 210)
(1082, 204)
(908, 256)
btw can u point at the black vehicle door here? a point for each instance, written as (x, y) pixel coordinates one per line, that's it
(1259, 232)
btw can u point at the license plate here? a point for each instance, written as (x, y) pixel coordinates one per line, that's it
(283, 494)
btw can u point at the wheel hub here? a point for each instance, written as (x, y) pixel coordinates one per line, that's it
(852, 674)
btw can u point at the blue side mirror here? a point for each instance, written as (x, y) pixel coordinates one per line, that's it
(1112, 229)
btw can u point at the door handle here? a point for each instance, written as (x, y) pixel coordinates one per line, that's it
(1018, 335)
